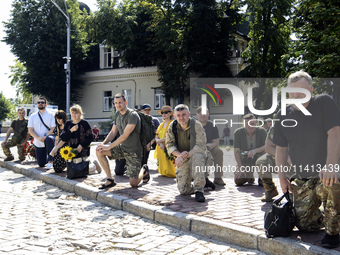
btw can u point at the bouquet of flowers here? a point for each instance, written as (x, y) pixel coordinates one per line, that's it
(171, 158)
(29, 149)
(68, 153)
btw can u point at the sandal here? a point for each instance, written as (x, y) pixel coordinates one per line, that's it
(112, 184)
(146, 176)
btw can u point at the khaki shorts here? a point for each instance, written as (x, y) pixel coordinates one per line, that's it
(133, 161)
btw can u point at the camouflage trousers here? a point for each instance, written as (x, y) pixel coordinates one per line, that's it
(133, 161)
(192, 169)
(308, 195)
(217, 155)
(6, 149)
(263, 164)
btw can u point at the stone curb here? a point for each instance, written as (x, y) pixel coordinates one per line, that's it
(222, 231)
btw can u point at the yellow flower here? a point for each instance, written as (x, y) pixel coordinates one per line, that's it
(64, 152)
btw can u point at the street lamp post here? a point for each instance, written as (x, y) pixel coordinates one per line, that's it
(67, 66)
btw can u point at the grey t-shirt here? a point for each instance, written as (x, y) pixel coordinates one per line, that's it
(132, 143)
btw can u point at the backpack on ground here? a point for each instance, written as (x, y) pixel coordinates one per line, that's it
(148, 129)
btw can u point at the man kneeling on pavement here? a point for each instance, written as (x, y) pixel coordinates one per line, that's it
(266, 166)
(187, 141)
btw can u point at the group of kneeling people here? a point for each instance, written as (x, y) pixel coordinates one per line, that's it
(309, 150)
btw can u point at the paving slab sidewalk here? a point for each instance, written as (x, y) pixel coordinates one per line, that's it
(230, 213)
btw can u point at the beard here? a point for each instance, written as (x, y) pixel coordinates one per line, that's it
(41, 107)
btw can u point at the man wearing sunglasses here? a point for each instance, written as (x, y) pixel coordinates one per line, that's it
(41, 125)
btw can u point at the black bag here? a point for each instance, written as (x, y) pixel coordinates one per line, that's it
(280, 219)
(77, 170)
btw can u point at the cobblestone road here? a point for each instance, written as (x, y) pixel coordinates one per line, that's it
(37, 218)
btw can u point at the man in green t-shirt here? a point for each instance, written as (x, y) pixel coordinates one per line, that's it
(127, 146)
(249, 145)
(19, 138)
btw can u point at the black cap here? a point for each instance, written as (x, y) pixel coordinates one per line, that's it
(146, 106)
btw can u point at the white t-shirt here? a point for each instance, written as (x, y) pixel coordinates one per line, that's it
(39, 128)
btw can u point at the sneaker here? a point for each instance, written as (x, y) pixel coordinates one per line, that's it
(269, 195)
(199, 197)
(98, 168)
(208, 184)
(219, 181)
(259, 180)
(10, 158)
(330, 241)
(48, 166)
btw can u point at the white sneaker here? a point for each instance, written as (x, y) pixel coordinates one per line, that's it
(49, 166)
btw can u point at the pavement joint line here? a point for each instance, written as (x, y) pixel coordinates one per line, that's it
(222, 231)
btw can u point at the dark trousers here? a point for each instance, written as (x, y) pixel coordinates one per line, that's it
(42, 154)
(120, 166)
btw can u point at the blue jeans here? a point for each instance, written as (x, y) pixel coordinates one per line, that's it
(42, 154)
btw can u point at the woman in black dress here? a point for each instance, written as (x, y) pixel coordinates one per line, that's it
(77, 133)
(59, 164)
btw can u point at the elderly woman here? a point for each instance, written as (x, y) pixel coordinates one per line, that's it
(166, 166)
(77, 133)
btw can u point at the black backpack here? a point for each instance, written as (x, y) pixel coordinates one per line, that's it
(148, 129)
(192, 132)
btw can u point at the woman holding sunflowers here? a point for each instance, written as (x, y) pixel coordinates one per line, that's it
(59, 163)
(77, 134)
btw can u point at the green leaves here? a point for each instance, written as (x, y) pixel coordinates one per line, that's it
(37, 34)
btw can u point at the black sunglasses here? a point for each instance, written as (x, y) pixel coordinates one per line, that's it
(41, 102)
(166, 112)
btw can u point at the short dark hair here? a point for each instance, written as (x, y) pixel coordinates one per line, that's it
(120, 95)
(60, 115)
(42, 98)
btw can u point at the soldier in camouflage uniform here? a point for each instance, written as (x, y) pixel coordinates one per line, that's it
(267, 160)
(19, 138)
(191, 152)
(314, 149)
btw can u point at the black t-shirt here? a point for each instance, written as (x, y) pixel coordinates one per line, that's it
(211, 131)
(307, 141)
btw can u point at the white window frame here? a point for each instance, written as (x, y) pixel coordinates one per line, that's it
(196, 102)
(107, 101)
(128, 96)
(107, 57)
(159, 98)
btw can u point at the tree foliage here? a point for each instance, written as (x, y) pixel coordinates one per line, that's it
(17, 73)
(37, 34)
(317, 48)
(269, 34)
(5, 107)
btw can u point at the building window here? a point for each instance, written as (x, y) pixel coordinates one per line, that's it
(159, 98)
(196, 102)
(107, 101)
(127, 93)
(107, 57)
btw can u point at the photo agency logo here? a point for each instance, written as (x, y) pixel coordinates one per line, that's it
(238, 96)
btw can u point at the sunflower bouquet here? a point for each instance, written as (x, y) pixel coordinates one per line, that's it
(68, 153)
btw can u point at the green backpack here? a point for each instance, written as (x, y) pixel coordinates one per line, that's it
(148, 129)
